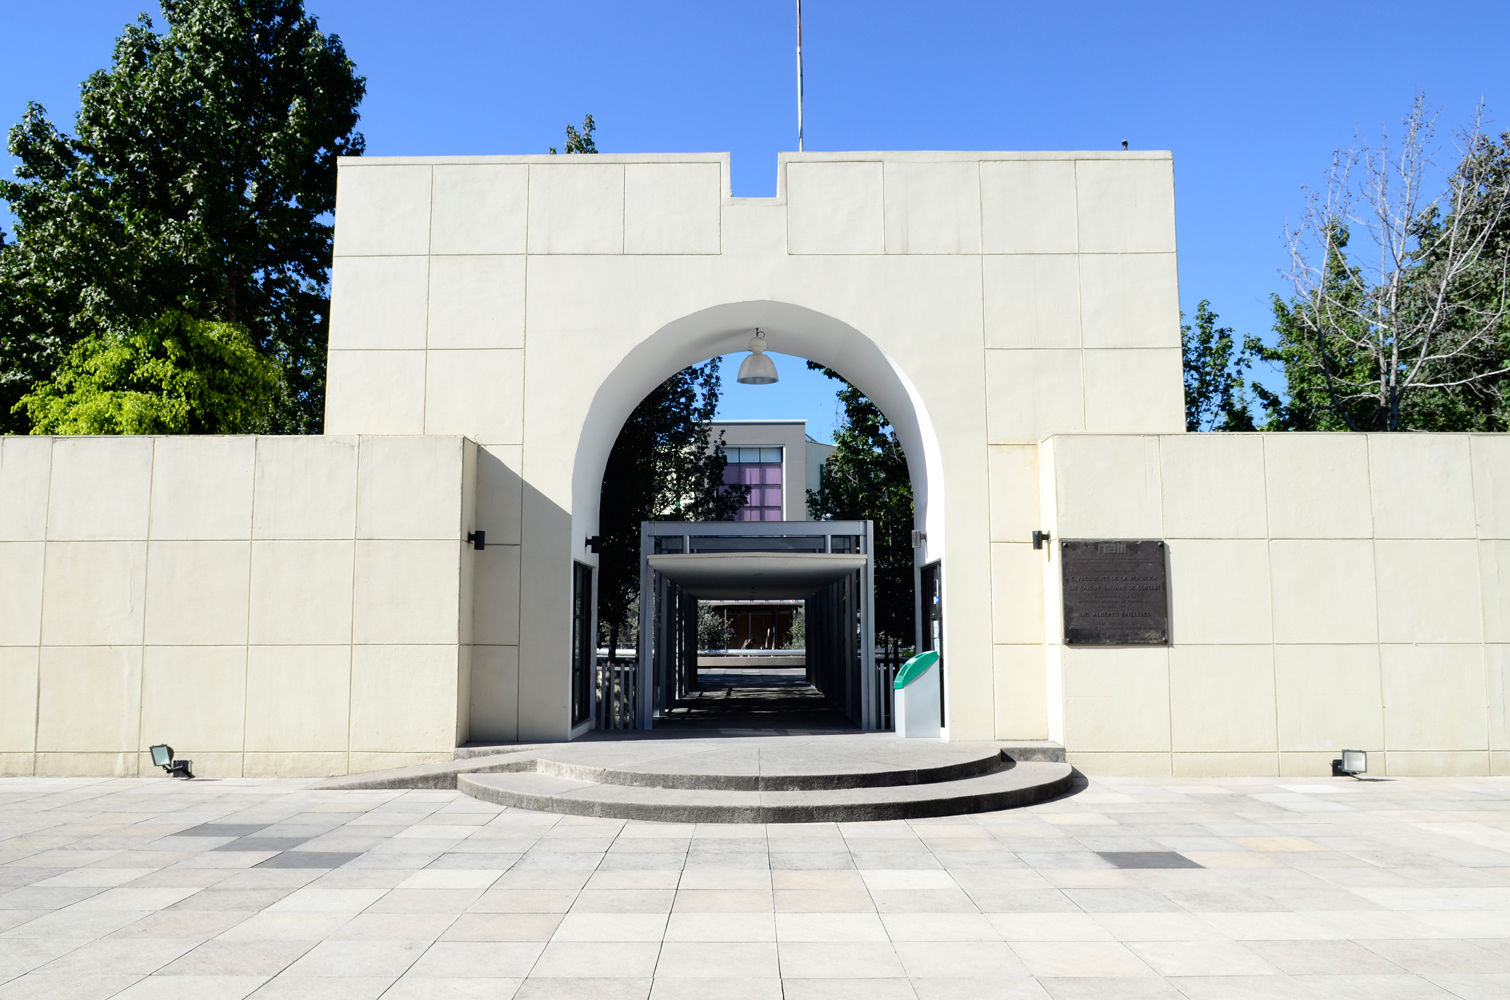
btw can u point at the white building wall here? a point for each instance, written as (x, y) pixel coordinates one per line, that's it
(1017, 294)
(1327, 591)
(265, 605)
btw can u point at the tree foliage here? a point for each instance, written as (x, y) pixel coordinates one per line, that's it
(200, 178)
(178, 375)
(581, 142)
(866, 479)
(664, 467)
(1216, 397)
(1398, 318)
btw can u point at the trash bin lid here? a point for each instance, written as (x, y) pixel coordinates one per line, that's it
(915, 668)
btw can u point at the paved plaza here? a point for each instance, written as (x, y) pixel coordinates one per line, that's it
(1222, 889)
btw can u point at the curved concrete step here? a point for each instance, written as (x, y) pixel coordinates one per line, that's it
(827, 773)
(1019, 785)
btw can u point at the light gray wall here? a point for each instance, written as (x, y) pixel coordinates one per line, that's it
(265, 605)
(1327, 591)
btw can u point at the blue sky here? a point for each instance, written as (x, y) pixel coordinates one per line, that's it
(1251, 98)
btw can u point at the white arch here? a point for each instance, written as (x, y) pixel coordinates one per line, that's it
(789, 329)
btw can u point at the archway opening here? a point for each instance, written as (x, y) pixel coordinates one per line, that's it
(802, 642)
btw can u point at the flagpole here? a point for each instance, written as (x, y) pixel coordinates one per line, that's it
(799, 76)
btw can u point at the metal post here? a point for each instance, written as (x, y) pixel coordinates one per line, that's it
(869, 685)
(799, 76)
(643, 680)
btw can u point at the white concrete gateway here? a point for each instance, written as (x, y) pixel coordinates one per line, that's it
(297, 606)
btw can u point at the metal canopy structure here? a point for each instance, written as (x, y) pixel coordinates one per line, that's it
(827, 564)
(755, 576)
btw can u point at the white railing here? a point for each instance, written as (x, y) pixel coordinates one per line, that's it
(618, 693)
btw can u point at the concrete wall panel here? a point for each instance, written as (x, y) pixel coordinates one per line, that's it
(479, 208)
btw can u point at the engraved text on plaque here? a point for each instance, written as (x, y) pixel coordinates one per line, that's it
(1115, 593)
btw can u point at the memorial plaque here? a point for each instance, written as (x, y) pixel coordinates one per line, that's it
(1115, 593)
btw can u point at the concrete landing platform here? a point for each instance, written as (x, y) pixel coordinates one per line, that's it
(872, 776)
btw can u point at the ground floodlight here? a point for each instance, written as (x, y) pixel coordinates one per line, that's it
(162, 756)
(1351, 764)
(758, 369)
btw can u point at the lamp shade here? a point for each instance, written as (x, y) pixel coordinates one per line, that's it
(757, 369)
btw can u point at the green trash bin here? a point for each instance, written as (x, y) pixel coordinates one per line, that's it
(917, 697)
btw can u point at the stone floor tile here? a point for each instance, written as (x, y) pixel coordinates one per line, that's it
(371, 926)
(1320, 958)
(297, 926)
(848, 989)
(907, 879)
(221, 957)
(823, 901)
(540, 988)
(484, 959)
(1109, 988)
(1022, 901)
(525, 901)
(358, 958)
(939, 927)
(117, 956)
(1050, 927)
(726, 927)
(839, 960)
(65, 987)
(819, 878)
(717, 960)
(979, 989)
(1434, 957)
(1252, 988)
(722, 989)
(723, 901)
(581, 926)
(291, 987)
(427, 988)
(757, 881)
(425, 901)
(1089, 878)
(206, 987)
(77, 925)
(245, 900)
(597, 959)
(1201, 958)
(502, 927)
(923, 901)
(318, 900)
(1107, 959)
(988, 959)
(1120, 901)
(604, 879)
(623, 901)
(815, 927)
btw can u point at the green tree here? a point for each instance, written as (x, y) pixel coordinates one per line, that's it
(200, 178)
(580, 142)
(178, 375)
(1407, 331)
(866, 479)
(664, 466)
(1215, 387)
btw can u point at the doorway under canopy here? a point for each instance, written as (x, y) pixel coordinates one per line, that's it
(826, 565)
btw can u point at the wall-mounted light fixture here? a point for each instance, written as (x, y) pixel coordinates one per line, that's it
(1351, 764)
(477, 539)
(918, 538)
(757, 369)
(1040, 539)
(162, 756)
(595, 544)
